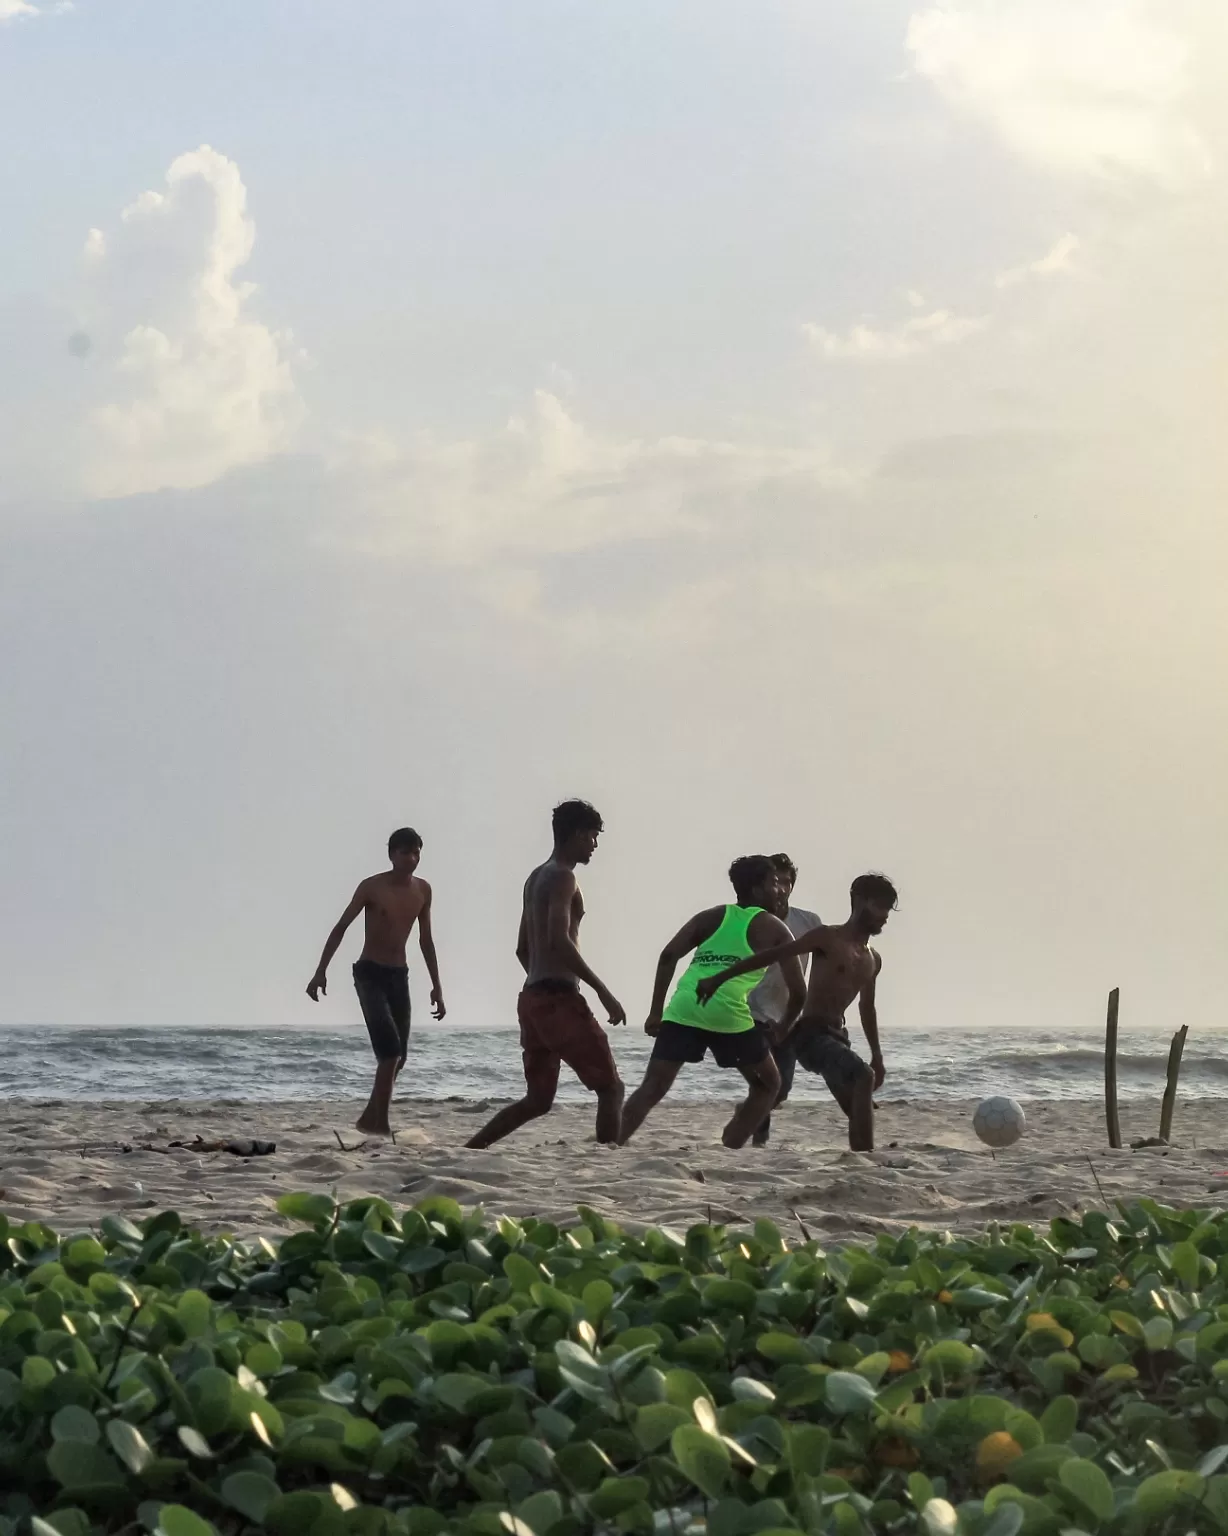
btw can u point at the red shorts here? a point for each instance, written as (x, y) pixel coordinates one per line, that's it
(557, 1025)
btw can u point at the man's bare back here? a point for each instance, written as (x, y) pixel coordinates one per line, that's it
(543, 959)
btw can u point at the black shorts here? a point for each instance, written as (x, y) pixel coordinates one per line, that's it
(684, 1042)
(383, 996)
(825, 1050)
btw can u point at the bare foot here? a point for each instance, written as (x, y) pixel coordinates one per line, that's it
(371, 1128)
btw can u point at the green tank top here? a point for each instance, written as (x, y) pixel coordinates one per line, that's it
(728, 1012)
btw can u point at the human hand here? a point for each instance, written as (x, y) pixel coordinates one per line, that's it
(705, 989)
(652, 1024)
(317, 986)
(615, 1010)
(438, 1009)
(879, 1070)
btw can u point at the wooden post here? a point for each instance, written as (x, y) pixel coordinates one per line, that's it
(1170, 1088)
(1110, 1071)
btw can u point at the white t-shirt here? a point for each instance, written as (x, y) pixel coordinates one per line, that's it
(770, 998)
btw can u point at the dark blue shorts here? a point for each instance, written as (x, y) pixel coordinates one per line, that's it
(826, 1051)
(383, 996)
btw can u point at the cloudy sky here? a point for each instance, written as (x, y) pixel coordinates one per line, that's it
(788, 424)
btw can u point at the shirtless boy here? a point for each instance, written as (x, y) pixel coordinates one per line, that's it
(844, 968)
(685, 1031)
(556, 1023)
(393, 902)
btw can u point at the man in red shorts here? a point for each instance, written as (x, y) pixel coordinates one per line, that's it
(556, 1023)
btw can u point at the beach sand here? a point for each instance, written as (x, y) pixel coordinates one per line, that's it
(69, 1163)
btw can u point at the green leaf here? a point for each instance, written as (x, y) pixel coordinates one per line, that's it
(457, 1391)
(130, 1445)
(614, 1494)
(950, 1355)
(1060, 1420)
(263, 1359)
(193, 1310)
(1157, 1333)
(1185, 1264)
(74, 1464)
(1006, 1520)
(540, 1510)
(598, 1298)
(1034, 1468)
(73, 1423)
(849, 1393)
(656, 1422)
(1088, 1483)
(783, 1347)
(175, 1520)
(251, 1494)
(729, 1295)
(314, 1210)
(1167, 1491)
(703, 1457)
(64, 1522)
(1127, 1323)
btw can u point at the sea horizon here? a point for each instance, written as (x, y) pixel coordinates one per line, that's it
(334, 1062)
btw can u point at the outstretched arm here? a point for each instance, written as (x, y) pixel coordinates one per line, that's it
(809, 944)
(426, 943)
(318, 982)
(869, 1023)
(690, 936)
(560, 941)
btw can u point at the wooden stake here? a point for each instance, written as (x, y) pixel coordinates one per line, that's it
(1110, 1071)
(1170, 1088)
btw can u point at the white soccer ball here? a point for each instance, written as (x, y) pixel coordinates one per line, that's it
(999, 1121)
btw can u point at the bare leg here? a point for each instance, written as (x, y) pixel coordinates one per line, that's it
(861, 1116)
(760, 1138)
(658, 1080)
(374, 1119)
(785, 1055)
(764, 1081)
(511, 1117)
(609, 1115)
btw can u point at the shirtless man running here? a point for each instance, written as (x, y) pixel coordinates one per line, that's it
(393, 902)
(556, 1024)
(844, 968)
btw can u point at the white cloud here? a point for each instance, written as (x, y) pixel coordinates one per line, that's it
(543, 484)
(1087, 87)
(1059, 259)
(922, 333)
(194, 385)
(10, 10)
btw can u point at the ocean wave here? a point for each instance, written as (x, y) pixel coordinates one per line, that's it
(1082, 1057)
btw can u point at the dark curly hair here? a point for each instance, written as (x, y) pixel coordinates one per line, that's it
(874, 887)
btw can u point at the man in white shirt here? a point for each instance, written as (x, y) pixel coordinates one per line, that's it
(769, 1001)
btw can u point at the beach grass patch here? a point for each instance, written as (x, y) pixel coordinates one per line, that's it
(420, 1373)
